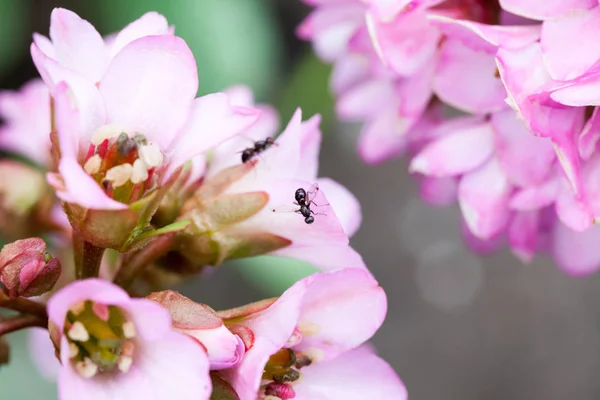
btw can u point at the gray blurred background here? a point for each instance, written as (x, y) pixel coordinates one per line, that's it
(459, 326)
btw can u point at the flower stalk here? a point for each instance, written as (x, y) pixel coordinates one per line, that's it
(23, 305)
(87, 258)
(18, 322)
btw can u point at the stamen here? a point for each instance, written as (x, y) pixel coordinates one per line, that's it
(308, 328)
(129, 330)
(150, 154)
(77, 308)
(86, 368)
(119, 175)
(139, 174)
(125, 363)
(78, 332)
(92, 165)
(73, 350)
(105, 132)
(269, 397)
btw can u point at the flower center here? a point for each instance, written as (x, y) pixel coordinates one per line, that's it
(124, 166)
(281, 371)
(100, 339)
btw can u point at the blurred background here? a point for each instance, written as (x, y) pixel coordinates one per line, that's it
(459, 326)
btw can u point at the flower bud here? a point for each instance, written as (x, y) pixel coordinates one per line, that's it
(25, 200)
(26, 269)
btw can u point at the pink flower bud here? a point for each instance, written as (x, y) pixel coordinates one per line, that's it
(26, 269)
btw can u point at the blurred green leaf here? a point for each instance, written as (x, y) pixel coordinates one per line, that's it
(14, 20)
(234, 41)
(273, 275)
(308, 88)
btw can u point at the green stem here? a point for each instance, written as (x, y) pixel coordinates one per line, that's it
(23, 305)
(18, 322)
(135, 263)
(87, 258)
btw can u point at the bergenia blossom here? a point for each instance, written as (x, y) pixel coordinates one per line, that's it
(307, 343)
(522, 168)
(26, 113)
(112, 346)
(265, 188)
(125, 114)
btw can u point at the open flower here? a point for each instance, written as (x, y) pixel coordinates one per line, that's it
(305, 344)
(27, 121)
(112, 346)
(247, 206)
(122, 133)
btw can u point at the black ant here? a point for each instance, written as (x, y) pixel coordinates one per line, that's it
(259, 147)
(304, 203)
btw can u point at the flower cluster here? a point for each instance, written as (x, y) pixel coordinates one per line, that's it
(137, 184)
(521, 160)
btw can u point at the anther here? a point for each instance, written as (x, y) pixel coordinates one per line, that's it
(78, 332)
(105, 132)
(86, 368)
(129, 330)
(150, 154)
(139, 173)
(92, 165)
(119, 175)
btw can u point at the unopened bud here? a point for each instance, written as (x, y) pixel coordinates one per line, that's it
(26, 269)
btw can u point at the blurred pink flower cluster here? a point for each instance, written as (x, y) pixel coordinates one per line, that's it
(138, 185)
(519, 153)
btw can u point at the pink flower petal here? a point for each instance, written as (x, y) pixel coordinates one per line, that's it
(384, 136)
(345, 204)
(272, 328)
(481, 92)
(537, 196)
(149, 87)
(324, 257)
(349, 71)
(563, 59)
(310, 147)
(95, 290)
(151, 320)
(365, 99)
(454, 153)
(482, 37)
(356, 375)
(581, 92)
(406, 43)
(483, 198)
(579, 211)
(526, 159)
(77, 44)
(279, 218)
(175, 366)
(438, 191)
(340, 311)
(331, 27)
(522, 235)
(225, 350)
(590, 135)
(481, 245)
(542, 9)
(42, 353)
(576, 252)
(151, 23)
(213, 120)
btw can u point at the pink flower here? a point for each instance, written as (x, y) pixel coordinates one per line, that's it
(306, 344)
(200, 322)
(251, 202)
(122, 133)
(112, 346)
(27, 121)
